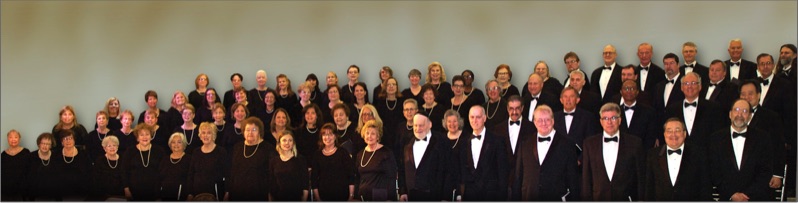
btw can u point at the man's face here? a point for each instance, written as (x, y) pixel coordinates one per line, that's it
(691, 86)
(765, 66)
(674, 134)
(689, 53)
(610, 122)
(609, 55)
(514, 109)
(571, 64)
(534, 84)
(628, 74)
(644, 54)
(421, 126)
(671, 67)
(748, 93)
(543, 122)
(261, 79)
(476, 118)
(716, 72)
(786, 55)
(569, 100)
(577, 81)
(740, 114)
(629, 91)
(735, 50)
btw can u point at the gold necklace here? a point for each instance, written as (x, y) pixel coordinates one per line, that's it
(364, 155)
(494, 110)
(149, 153)
(253, 152)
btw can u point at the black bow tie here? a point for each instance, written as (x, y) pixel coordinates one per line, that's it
(611, 139)
(713, 85)
(607, 68)
(671, 81)
(734, 64)
(479, 137)
(735, 135)
(425, 139)
(544, 139)
(534, 98)
(694, 104)
(754, 108)
(644, 68)
(626, 108)
(569, 114)
(678, 151)
(515, 122)
(765, 82)
(689, 65)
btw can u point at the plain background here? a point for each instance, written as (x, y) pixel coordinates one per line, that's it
(56, 53)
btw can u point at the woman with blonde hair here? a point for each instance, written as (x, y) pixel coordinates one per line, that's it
(112, 107)
(376, 167)
(436, 77)
(176, 109)
(209, 164)
(69, 121)
(288, 172)
(285, 94)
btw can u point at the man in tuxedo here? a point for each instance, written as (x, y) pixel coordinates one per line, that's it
(536, 96)
(768, 121)
(667, 91)
(719, 89)
(774, 89)
(422, 170)
(607, 79)
(483, 161)
(612, 162)
(572, 64)
(547, 164)
(574, 122)
(638, 118)
(787, 62)
(701, 117)
(628, 73)
(588, 100)
(689, 52)
(513, 130)
(740, 159)
(786, 69)
(677, 171)
(649, 74)
(739, 68)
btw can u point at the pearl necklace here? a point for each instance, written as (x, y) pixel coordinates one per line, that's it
(306, 127)
(343, 134)
(101, 138)
(221, 129)
(109, 162)
(63, 154)
(495, 109)
(455, 142)
(458, 106)
(394, 104)
(504, 91)
(253, 152)
(313, 95)
(190, 135)
(364, 155)
(258, 91)
(178, 160)
(149, 153)
(236, 131)
(430, 109)
(409, 127)
(329, 152)
(48, 160)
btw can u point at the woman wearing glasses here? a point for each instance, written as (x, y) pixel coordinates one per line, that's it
(248, 179)
(333, 173)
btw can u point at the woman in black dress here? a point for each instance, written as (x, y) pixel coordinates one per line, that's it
(345, 129)
(233, 133)
(414, 91)
(281, 123)
(74, 167)
(333, 173)
(151, 97)
(461, 102)
(160, 134)
(256, 95)
(389, 102)
(436, 77)
(385, 73)
(205, 111)
(69, 121)
(43, 171)
(248, 179)
(218, 120)
(230, 96)
(369, 113)
(112, 107)
(361, 98)
(433, 109)
(175, 112)
(197, 96)
(550, 84)
(95, 138)
(140, 167)
(189, 128)
(286, 96)
(404, 129)
(377, 172)
(209, 165)
(14, 165)
(454, 144)
(333, 98)
(495, 107)
(125, 134)
(174, 170)
(469, 89)
(106, 174)
(288, 172)
(316, 96)
(307, 134)
(503, 76)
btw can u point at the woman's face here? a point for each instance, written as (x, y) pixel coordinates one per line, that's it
(287, 143)
(241, 96)
(332, 79)
(111, 148)
(494, 91)
(468, 79)
(240, 113)
(188, 116)
(210, 96)
(113, 107)
(409, 110)
(414, 79)
(218, 114)
(176, 145)
(304, 95)
(282, 83)
(429, 97)
(126, 121)
(457, 87)
(236, 82)
(150, 119)
(366, 115)
(203, 81)
(328, 138)
(313, 83)
(261, 79)
(143, 137)
(68, 117)
(333, 94)
(353, 73)
(503, 75)
(435, 73)
(180, 99)
(270, 99)
(68, 142)
(45, 145)
(360, 93)
(280, 119)
(102, 120)
(13, 139)
(310, 116)
(206, 135)
(251, 133)
(452, 124)
(152, 102)
(391, 88)
(384, 75)
(371, 136)
(340, 117)
(542, 70)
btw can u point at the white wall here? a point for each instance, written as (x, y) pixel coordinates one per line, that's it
(81, 53)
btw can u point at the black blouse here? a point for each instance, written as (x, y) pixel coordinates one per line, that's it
(349, 138)
(510, 91)
(207, 171)
(307, 141)
(192, 136)
(444, 93)
(435, 114)
(173, 174)
(80, 135)
(495, 113)
(94, 143)
(288, 178)
(332, 175)
(73, 174)
(232, 135)
(141, 172)
(377, 171)
(408, 94)
(106, 177)
(248, 178)
(42, 174)
(477, 94)
(13, 173)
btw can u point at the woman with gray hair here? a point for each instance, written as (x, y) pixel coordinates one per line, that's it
(453, 124)
(106, 173)
(174, 169)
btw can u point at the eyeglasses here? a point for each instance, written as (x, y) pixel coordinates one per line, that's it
(674, 131)
(570, 61)
(468, 76)
(515, 108)
(766, 63)
(503, 73)
(410, 109)
(689, 83)
(608, 53)
(629, 89)
(253, 130)
(740, 110)
(493, 88)
(612, 118)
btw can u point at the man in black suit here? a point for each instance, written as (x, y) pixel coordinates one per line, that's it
(422, 170)
(513, 130)
(612, 162)
(607, 79)
(689, 52)
(573, 122)
(739, 68)
(638, 118)
(768, 121)
(628, 73)
(787, 62)
(536, 96)
(719, 89)
(786, 69)
(740, 159)
(649, 74)
(572, 64)
(775, 90)
(588, 100)
(483, 161)
(547, 164)
(677, 171)
(701, 117)
(667, 91)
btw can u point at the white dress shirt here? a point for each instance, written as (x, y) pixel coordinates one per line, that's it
(734, 70)
(568, 120)
(629, 113)
(533, 104)
(604, 80)
(711, 89)
(644, 76)
(765, 88)
(419, 147)
(513, 133)
(689, 115)
(669, 88)
(543, 147)
(738, 144)
(610, 153)
(674, 163)
(689, 69)
(476, 147)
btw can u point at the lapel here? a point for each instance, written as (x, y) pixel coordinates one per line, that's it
(601, 168)
(467, 151)
(483, 155)
(554, 142)
(662, 159)
(618, 160)
(561, 119)
(747, 150)
(718, 88)
(535, 152)
(728, 149)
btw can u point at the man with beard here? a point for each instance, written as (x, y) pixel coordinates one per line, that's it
(787, 62)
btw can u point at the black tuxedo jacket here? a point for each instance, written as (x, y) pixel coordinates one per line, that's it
(642, 98)
(425, 181)
(590, 101)
(677, 96)
(692, 183)
(502, 129)
(644, 125)
(725, 94)
(747, 71)
(702, 71)
(769, 122)
(754, 174)
(583, 125)
(587, 80)
(654, 76)
(789, 75)
(778, 95)
(488, 181)
(613, 87)
(708, 119)
(627, 180)
(557, 177)
(545, 98)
